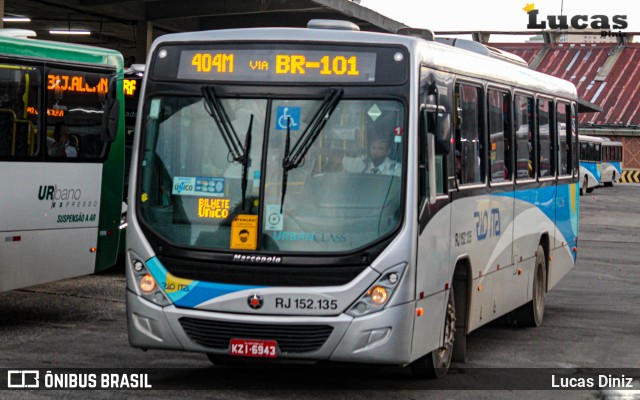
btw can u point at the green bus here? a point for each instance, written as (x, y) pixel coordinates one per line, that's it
(61, 160)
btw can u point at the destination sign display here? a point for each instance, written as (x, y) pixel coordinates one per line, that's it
(76, 83)
(295, 65)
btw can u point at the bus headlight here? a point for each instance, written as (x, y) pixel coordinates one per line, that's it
(148, 287)
(378, 295)
(147, 283)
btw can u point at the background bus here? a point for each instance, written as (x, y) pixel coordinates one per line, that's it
(590, 163)
(321, 194)
(61, 160)
(611, 167)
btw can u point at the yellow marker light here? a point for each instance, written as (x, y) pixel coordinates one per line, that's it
(92, 250)
(378, 295)
(147, 283)
(479, 288)
(419, 311)
(519, 271)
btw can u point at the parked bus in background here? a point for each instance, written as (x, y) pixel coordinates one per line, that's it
(611, 169)
(61, 160)
(323, 194)
(590, 163)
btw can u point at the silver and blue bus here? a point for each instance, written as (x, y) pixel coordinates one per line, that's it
(330, 194)
(61, 159)
(590, 163)
(611, 164)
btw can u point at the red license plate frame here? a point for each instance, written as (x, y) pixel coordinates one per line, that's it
(253, 348)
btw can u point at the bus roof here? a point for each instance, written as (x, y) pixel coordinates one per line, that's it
(430, 53)
(609, 142)
(586, 138)
(44, 49)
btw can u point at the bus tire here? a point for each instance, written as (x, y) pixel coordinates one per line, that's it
(583, 186)
(612, 181)
(532, 313)
(436, 364)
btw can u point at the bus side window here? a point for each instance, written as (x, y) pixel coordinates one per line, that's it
(73, 89)
(564, 139)
(508, 134)
(499, 134)
(525, 151)
(545, 143)
(19, 101)
(469, 135)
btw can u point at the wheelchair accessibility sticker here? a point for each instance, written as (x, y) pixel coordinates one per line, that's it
(291, 114)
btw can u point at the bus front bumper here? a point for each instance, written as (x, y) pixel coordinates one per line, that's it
(383, 337)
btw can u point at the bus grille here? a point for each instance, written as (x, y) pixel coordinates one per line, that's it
(290, 338)
(262, 275)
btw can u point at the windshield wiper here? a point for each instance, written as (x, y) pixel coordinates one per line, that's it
(237, 151)
(295, 156)
(245, 162)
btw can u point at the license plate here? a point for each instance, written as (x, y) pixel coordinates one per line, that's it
(253, 348)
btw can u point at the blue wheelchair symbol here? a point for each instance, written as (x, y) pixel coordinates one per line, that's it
(291, 114)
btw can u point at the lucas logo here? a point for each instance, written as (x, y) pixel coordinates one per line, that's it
(602, 22)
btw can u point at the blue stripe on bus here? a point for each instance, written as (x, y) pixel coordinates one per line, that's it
(593, 167)
(617, 165)
(558, 203)
(197, 292)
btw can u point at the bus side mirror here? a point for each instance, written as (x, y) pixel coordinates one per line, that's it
(111, 114)
(438, 125)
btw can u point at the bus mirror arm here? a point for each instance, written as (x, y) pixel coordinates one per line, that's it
(439, 128)
(427, 134)
(439, 121)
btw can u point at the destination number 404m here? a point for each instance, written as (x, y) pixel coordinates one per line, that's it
(285, 64)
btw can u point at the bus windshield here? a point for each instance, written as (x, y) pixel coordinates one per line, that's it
(344, 193)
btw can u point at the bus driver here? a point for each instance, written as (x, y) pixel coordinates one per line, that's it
(377, 160)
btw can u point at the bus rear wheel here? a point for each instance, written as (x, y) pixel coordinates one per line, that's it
(531, 314)
(436, 364)
(612, 181)
(583, 186)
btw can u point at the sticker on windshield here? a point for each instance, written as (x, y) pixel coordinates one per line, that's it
(397, 134)
(273, 222)
(290, 115)
(244, 232)
(374, 112)
(198, 186)
(213, 208)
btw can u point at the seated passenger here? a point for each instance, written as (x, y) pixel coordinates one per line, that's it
(61, 146)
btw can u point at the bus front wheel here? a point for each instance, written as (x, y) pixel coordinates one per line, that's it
(436, 364)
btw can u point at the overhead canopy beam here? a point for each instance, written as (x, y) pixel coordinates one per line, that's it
(93, 3)
(170, 9)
